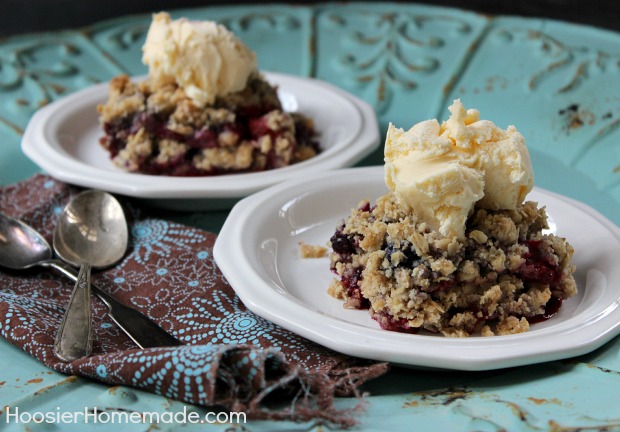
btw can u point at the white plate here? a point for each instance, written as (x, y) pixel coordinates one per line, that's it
(63, 139)
(257, 250)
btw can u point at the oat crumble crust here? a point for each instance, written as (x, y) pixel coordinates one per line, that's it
(159, 130)
(503, 275)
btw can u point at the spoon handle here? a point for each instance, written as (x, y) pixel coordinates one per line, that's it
(141, 330)
(74, 339)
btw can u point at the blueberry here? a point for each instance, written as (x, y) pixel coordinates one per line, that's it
(411, 258)
(342, 243)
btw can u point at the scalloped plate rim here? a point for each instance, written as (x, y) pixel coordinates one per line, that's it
(43, 150)
(239, 264)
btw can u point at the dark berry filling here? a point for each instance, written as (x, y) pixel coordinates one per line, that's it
(305, 136)
(388, 322)
(402, 256)
(343, 244)
(538, 267)
(551, 308)
(118, 132)
(351, 280)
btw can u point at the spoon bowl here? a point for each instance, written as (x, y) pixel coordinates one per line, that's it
(93, 229)
(91, 232)
(21, 247)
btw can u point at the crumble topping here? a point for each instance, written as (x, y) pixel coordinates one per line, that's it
(503, 274)
(157, 129)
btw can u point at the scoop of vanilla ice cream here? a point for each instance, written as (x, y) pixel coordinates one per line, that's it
(202, 57)
(508, 171)
(423, 170)
(441, 171)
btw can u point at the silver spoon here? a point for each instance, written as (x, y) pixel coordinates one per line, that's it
(91, 233)
(22, 247)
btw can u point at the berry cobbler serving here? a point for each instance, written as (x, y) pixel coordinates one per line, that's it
(453, 247)
(204, 109)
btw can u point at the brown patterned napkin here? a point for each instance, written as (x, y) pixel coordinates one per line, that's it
(233, 358)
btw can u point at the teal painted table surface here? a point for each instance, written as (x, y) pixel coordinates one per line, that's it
(558, 83)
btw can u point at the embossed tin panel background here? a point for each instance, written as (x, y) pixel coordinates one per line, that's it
(559, 83)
